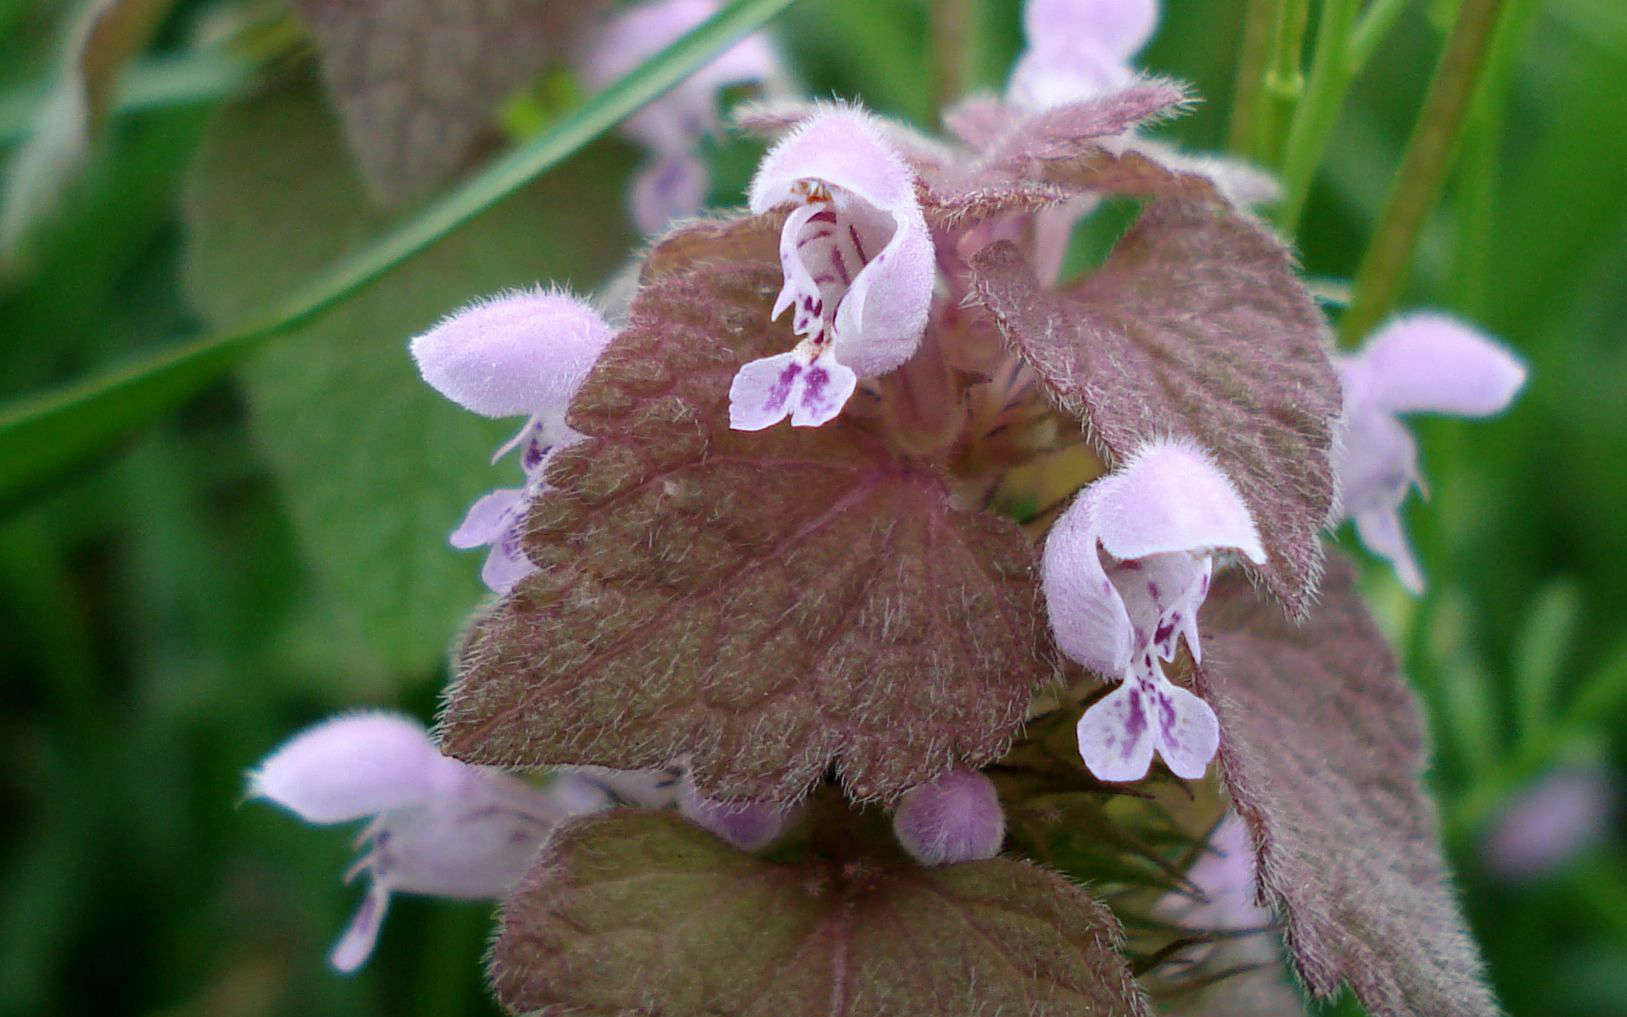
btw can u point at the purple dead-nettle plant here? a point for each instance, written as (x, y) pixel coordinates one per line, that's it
(1028, 593)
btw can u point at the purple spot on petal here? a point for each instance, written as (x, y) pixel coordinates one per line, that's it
(781, 390)
(1165, 629)
(814, 386)
(1166, 721)
(1136, 722)
(1152, 589)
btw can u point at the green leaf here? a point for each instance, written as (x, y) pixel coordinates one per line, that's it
(376, 467)
(641, 912)
(45, 435)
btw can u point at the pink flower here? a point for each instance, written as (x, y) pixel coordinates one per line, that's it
(521, 353)
(1550, 822)
(1422, 363)
(858, 264)
(674, 182)
(439, 826)
(1078, 49)
(956, 818)
(1158, 521)
(749, 826)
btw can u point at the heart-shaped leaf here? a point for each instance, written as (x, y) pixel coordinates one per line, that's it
(763, 604)
(641, 912)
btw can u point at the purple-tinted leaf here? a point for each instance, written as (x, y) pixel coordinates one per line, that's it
(952, 210)
(416, 81)
(640, 912)
(764, 604)
(1008, 142)
(1321, 747)
(1196, 326)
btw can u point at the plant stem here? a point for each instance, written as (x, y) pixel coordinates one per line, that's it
(1251, 60)
(1374, 25)
(1284, 81)
(1423, 169)
(1331, 74)
(952, 24)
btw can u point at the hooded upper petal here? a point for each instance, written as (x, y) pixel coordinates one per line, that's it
(844, 147)
(351, 766)
(1118, 26)
(516, 354)
(1431, 363)
(1172, 497)
(1160, 517)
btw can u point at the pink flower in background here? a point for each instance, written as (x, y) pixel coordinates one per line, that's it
(858, 265)
(1422, 363)
(1159, 520)
(1078, 49)
(956, 818)
(1550, 822)
(674, 181)
(438, 826)
(516, 354)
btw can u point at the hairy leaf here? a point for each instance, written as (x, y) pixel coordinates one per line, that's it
(1321, 748)
(1195, 326)
(376, 467)
(416, 81)
(764, 604)
(640, 912)
(1008, 138)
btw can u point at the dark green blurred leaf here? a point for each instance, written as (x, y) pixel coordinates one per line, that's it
(377, 468)
(45, 435)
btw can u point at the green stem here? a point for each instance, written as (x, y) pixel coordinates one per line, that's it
(1284, 81)
(1251, 61)
(1374, 25)
(1313, 123)
(43, 435)
(1423, 169)
(952, 24)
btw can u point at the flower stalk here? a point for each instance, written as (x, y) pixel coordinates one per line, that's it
(1422, 175)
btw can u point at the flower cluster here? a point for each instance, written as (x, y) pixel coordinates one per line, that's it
(1001, 502)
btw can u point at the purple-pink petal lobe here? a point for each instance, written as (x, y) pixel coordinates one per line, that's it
(956, 818)
(517, 354)
(1147, 713)
(809, 390)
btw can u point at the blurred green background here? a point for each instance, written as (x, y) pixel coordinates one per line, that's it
(274, 551)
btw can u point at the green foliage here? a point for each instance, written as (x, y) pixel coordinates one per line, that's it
(376, 467)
